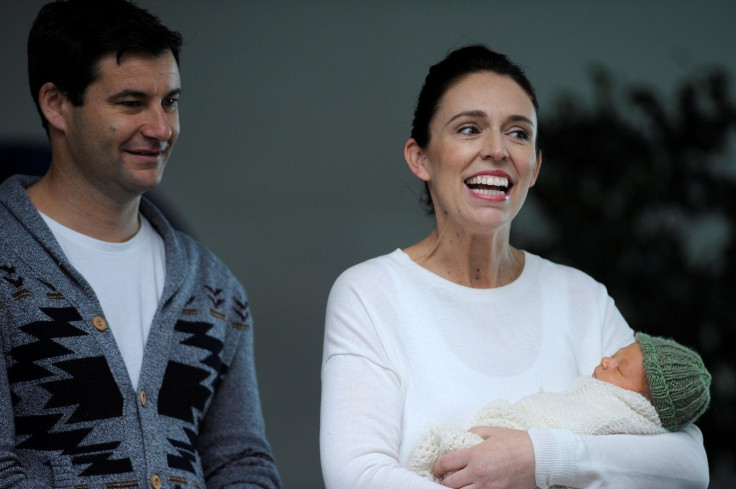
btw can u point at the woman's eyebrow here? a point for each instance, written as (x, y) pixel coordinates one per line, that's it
(470, 113)
(521, 118)
(482, 113)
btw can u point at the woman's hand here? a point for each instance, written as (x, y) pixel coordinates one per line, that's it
(505, 459)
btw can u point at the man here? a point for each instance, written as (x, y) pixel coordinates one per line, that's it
(127, 347)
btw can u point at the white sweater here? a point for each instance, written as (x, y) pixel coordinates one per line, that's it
(406, 350)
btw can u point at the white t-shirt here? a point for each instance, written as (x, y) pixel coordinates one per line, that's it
(128, 279)
(405, 350)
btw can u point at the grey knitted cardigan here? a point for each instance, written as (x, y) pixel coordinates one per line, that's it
(69, 416)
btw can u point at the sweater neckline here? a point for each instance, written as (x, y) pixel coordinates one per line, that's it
(527, 278)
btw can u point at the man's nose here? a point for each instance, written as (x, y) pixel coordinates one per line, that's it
(157, 124)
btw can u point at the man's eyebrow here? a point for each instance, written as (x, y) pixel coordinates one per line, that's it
(130, 93)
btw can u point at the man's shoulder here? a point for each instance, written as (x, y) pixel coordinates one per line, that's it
(13, 197)
(185, 251)
(200, 252)
(18, 218)
(174, 236)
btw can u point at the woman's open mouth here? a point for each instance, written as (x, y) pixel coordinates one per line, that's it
(489, 185)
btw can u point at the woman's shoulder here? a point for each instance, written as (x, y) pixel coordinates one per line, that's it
(377, 269)
(550, 271)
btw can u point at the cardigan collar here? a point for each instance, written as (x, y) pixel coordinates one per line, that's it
(28, 226)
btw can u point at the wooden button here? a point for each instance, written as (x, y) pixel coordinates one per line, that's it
(143, 398)
(155, 481)
(99, 323)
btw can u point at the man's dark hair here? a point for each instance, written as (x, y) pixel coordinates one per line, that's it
(69, 37)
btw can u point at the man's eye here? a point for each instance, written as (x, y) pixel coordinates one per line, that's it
(130, 103)
(170, 104)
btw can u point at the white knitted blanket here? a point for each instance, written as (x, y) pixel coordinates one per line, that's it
(589, 407)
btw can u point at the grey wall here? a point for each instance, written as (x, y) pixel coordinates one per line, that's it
(294, 116)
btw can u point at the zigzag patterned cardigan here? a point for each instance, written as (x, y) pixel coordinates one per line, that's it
(69, 416)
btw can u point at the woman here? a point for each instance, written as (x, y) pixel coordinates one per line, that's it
(415, 338)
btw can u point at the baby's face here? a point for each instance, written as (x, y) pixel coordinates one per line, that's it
(625, 369)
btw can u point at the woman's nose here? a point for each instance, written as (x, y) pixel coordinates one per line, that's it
(494, 148)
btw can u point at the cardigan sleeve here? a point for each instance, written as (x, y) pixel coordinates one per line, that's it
(12, 474)
(232, 439)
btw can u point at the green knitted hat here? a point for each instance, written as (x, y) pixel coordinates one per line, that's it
(679, 383)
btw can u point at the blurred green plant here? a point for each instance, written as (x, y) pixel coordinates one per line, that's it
(639, 191)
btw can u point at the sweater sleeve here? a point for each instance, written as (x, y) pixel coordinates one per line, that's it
(232, 440)
(12, 474)
(362, 402)
(671, 460)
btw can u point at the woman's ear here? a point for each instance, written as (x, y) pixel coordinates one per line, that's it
(53, 105)
(536, 170)
(415, 158)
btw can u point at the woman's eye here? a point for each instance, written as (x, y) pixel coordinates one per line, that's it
(468, 130)
(520, 134)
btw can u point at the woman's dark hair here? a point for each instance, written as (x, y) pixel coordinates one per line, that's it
(458, 64)
(69, 37)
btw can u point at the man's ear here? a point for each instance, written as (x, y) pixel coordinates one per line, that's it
(54, 105)
(414, 156)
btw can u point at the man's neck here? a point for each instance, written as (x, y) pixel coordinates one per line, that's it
(85, 212)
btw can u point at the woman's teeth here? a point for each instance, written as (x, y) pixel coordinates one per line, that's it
(488, 185)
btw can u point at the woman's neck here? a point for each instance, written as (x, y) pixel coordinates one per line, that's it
(481, 262)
